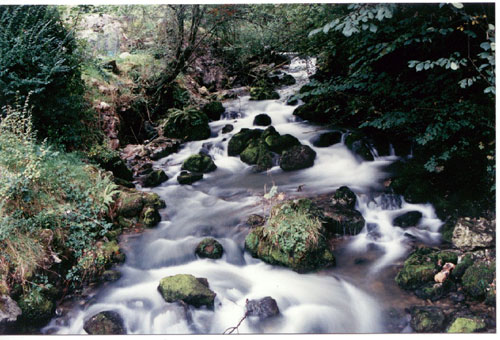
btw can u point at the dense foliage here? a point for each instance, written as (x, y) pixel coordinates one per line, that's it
(53, 207)
(417, 72)
(37, 56)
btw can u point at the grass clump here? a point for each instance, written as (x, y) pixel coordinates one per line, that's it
(53, 206)
(293, 227)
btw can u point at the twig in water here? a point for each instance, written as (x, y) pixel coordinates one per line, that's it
(230, 330)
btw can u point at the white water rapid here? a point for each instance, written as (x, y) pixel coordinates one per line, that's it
(329, 301)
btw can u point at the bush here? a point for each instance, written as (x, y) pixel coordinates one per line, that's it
(37, 55)
(52, 205)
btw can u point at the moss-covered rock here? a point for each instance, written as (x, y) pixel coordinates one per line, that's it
(187, 288)
(130, 203)
(344, 198)
(213, 110)
(465, 262)
(186, 177)
(105, 323)
(227, 128)
(477, 279)
(434, 291)
(466, 325)
(262, 120)
(278, 144)
(240, 141)
(153, 200)
(263, 93)
(188, 125)
(209, 248)
(297, 157)
(345, 221)
(36, 308)
(418, 269)
(256, 153)
(199, 163)
(255, 220)
(150, 217)
(409, 219)
(303, 250)
(154, 178)
(427, 319)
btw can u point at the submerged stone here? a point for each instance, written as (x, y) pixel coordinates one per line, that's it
(209, 248)
(186, 177)
(427, 319)
(327, 139)
(263, 308)
(105, 323)
(185, 287)
(409, 219)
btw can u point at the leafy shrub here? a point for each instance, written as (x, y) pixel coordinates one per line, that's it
(189, 124)
(51, 203)
(37, 56)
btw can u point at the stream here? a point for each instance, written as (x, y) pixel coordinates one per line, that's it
(348, 298)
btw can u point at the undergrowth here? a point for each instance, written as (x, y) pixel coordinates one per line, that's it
(53, 206)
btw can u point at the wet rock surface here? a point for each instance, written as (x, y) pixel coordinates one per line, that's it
(209, 248)
(105, 323)
(187, 288)
(263, 308)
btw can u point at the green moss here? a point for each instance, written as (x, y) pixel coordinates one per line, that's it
(187, 288)
(461, 267)
(279, 144)
(209, 248)
(241, 140)
(188, 125)
(447, 256)
(263, 93)
(132, 203)
(427, 319)
(292, 238)
(151, 217)
(153, 200)
(35, 307)
(214, 110)
(418, 269)
(199, 163)
(477, 279)
(466, 325)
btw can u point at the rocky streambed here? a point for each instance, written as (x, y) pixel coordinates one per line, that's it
(231, 252)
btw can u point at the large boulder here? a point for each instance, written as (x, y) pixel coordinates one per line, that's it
(409, 219)
(256, 153)
(9, 311)
(427, 319)
(240, 141)
(105, 323)
(304, 250)
(187, 288)
(209, 248)
(470, 234)
(263, 308)
(213, 110)
(199, 163)
(278, 144)
(297, 157)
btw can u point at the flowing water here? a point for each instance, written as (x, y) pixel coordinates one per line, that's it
(348, 298)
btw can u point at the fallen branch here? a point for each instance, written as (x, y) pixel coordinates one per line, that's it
(230, 330)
